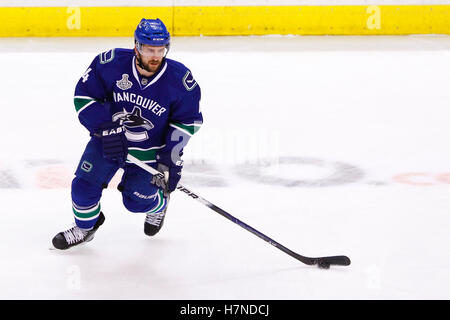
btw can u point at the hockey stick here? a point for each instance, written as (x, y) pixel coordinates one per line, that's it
(321, 262)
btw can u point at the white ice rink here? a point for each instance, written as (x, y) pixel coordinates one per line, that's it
(329, 145)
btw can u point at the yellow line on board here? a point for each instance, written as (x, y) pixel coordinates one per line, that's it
(222, 21)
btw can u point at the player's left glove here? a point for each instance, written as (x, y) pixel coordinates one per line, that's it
(171, 173)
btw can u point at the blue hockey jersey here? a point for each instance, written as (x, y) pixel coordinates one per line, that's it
(158, 112)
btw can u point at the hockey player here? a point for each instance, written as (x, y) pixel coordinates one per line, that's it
(133, 101)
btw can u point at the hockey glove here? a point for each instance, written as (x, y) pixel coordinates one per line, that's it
(171, 173)
(114, 142)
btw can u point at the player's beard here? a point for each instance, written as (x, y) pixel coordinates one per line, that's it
(151, 66)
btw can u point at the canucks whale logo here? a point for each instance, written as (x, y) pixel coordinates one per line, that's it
(136, 120)
(136, 126)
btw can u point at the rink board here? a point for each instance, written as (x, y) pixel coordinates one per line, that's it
(227, 20)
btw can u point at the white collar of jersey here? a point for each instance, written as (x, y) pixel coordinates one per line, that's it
(135, 73)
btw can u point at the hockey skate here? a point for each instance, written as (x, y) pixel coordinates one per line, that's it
(154, 222)
(75, 236)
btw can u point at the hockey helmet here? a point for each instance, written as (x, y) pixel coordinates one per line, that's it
(152, 32)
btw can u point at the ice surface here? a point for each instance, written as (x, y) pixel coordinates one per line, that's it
(329, 145)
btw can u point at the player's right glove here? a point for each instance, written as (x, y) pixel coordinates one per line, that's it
(171, 173)
(114, 141)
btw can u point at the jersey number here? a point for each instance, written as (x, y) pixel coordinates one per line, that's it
(85, 76)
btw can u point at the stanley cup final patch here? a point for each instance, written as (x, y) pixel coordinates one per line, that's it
(124, 83)
(188, 81)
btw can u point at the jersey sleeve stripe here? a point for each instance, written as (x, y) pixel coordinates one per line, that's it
(189, 129)
(82, 102)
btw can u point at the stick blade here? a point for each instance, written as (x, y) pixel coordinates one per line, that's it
(326, 262)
